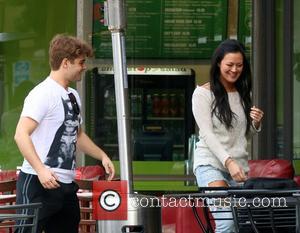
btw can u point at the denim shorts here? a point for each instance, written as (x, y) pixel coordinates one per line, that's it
(206, 174)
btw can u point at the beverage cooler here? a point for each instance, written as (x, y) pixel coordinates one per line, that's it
(160, 111)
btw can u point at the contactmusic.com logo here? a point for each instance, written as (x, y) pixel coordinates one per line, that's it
(110, 200)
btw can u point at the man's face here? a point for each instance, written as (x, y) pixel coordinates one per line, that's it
(76, 68)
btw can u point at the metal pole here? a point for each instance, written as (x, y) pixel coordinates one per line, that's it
(116, 21)
(264, 75)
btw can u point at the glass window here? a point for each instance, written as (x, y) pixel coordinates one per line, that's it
(26, 27)
(296, 78)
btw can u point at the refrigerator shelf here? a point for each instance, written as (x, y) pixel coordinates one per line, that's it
(166, 118)
(149, 118)
(111, 145)
(116, 145)
(178, 146)
(115, 118)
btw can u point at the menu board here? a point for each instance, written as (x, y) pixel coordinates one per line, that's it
(245, 24)
(189, 29)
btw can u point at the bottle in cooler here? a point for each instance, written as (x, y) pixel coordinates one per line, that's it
(165, 105)
(149, 105)
(173, 105)
(156, 105)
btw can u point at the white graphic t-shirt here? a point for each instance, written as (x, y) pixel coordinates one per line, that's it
(56, 135)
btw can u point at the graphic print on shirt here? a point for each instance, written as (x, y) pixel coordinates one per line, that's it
(62, 150)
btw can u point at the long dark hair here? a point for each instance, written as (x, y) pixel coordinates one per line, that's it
(243, 85)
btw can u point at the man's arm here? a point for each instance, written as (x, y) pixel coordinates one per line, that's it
(87, 146)
(22, 137)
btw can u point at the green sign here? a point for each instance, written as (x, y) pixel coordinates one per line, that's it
(189, 29)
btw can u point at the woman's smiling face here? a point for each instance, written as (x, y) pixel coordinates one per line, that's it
(231, 68)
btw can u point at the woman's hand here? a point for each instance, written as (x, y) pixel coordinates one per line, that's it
(256, 115)
(236, 172)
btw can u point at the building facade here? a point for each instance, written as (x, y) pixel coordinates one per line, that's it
(171, 36)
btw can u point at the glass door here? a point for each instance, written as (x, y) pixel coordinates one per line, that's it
(160, 112)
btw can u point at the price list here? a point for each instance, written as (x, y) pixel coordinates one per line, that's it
(188, 29)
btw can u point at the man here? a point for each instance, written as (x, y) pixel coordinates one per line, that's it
(48, 133)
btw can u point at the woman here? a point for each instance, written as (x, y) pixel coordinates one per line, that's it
(223, 112)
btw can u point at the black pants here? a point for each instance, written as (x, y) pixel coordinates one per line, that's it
(60, 212)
